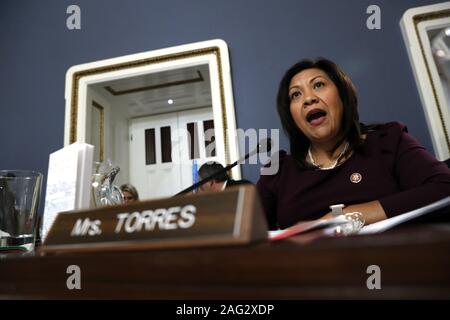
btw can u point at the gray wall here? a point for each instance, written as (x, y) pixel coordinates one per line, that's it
(264, 38)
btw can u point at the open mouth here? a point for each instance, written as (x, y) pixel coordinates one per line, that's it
(316, 116)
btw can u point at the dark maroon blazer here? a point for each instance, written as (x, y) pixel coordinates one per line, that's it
(394, 169)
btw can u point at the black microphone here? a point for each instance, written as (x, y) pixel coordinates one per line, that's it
(263, 146)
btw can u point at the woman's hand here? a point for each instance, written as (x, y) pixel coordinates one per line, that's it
(372, 211)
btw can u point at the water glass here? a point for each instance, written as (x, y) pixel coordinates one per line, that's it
(19, 201)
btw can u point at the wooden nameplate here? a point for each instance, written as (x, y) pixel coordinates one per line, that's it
(233, 216)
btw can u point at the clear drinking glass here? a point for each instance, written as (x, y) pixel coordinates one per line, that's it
(20, 192)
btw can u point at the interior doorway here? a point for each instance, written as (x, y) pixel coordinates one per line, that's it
(149, 84)
(167, 149)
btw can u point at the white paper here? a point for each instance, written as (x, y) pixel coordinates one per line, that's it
(394, 221)
(85, 164)
(4, 234)
(68, 182)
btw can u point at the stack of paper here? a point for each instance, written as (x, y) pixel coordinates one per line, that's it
(402, 218)
(68, 182)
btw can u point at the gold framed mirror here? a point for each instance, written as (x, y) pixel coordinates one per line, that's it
(158, 115)
(426, 31)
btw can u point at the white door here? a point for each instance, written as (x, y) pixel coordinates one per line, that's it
(198, 145)
(153, 166)
(162, 154)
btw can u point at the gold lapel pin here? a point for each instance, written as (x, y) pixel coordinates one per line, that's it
(356, 177)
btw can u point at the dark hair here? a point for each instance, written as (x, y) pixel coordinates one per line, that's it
(130, 189)
(210, 168)
(351, 128)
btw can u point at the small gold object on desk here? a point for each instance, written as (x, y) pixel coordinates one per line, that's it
(231, 217)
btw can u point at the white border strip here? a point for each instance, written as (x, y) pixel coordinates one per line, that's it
(239, 213)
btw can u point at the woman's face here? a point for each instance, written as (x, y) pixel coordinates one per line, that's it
(128, 197)
(316, 106)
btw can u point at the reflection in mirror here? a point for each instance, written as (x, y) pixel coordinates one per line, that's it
(426, 31)
(441, 53)
(158, 121)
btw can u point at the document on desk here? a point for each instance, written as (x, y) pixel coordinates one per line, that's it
(402, 218)
(307, 226)
(68, 182)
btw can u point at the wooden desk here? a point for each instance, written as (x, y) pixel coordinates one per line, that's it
(414, 262)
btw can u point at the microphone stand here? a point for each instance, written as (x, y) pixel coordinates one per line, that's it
(211, 177)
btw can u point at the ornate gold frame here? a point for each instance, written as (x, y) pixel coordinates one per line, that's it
(77, 76)
(418, 19)
(101, 129)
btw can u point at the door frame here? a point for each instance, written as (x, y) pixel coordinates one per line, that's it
(415, 25)
(212, 52)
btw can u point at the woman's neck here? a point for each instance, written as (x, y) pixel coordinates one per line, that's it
(322, 152)
(326, 148)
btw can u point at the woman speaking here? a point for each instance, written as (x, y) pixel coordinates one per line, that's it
(379, 170)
